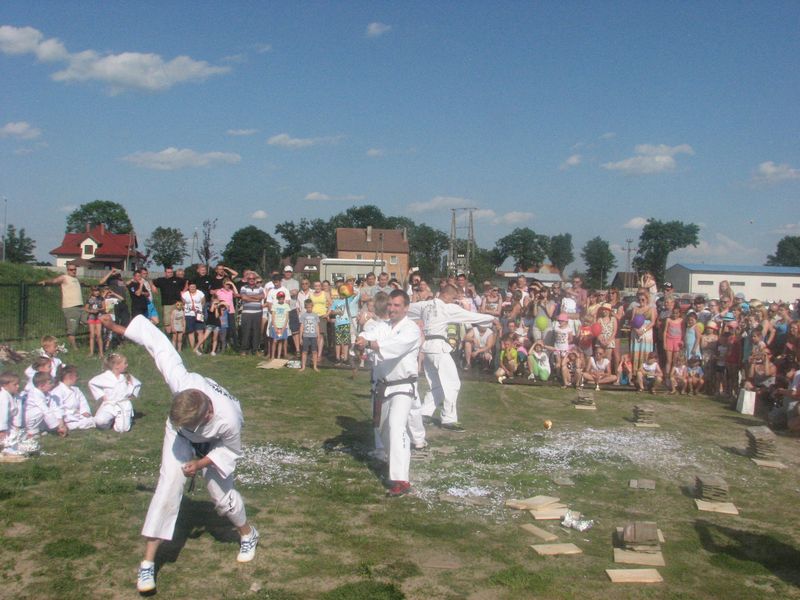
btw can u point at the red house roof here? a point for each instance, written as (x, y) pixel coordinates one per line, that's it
(371, 240)
(109, 245)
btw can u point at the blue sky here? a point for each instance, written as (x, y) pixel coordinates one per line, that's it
(579, 117)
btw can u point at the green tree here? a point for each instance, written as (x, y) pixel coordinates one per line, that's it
(166, 246)
(560, 252)
(18, 247)
(426, 247)
(295, 237)
(206, 252)
(112, 215)
(252, 248)
(787, 253)
(527, 248)
(599, 261)
(658, 239)
(483, 266)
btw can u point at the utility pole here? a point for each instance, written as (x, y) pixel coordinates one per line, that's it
(455, 261)
(5, 226)
(628, 241)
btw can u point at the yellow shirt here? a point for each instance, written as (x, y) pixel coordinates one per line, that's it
(320, 301)
(71, 294)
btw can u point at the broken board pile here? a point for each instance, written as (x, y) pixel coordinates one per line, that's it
(761, 442)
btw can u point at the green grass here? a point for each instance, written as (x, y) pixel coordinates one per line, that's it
(329, 532)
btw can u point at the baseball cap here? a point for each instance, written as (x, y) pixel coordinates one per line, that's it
(288, 268)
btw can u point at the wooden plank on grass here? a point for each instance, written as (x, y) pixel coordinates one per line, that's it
(554, 549)
(634, 575)
(771, 464)
(549, 515)
(535, 503)
(725, 508)
(585, 407)
(629, 557)
(539, 532)
(12, 458)
(647, 425)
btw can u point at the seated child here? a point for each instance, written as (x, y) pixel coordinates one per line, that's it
(598, 369)
(625, 375)
(49, 350)
(539, 362)
(11, 426)
(695, 375)
(572, 370)
(77, 414)
(41, 364)
(649, 374)
(679, 375)
(114, 389)
(42, 411)
(509, 358)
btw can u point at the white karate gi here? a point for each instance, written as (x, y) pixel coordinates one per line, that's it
(74, 404)
(11, 418)
(115, 393)
(440, 370)
(42, 412)
(397, 360)
(222, 432)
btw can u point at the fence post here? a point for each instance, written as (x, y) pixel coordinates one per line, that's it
(22, 312)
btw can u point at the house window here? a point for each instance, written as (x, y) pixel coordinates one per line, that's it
(796, 285)
(768, 284)
(705, 282)
(393, 260)
(88, 249)
(737, 283)
(393, 275)
(359, 257)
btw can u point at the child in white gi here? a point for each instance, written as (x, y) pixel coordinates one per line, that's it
(77, 413)
(114, 389)
(42, 412)
(41, 364)
(203, 413)
(11, 426)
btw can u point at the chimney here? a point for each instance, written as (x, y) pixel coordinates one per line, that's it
(369, 233)
(102, 229)
(405, 234)
(88, 226)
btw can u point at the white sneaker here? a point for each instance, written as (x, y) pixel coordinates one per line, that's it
(213, 353)
(198, 352)
(146, 581)
(531, 377)
(247, 546)
(597, 388)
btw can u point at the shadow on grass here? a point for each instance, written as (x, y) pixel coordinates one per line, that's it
(736, 451)
(749, 553)
(747, 422)
(195, 518)
(355, 439)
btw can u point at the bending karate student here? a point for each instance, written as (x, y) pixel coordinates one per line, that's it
(440, 370)
(202, 436)
(397, 349)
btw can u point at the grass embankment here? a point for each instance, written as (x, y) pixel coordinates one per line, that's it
(70, 519)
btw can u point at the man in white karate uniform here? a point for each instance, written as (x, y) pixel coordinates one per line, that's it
(202, 436)
(397, 350)
(440, 369)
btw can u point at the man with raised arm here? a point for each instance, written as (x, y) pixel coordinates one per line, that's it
(202, 436)
(440, 370)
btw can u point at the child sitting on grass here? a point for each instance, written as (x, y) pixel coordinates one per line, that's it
(625, 375)
(679, 376)
(41, 364)
(539, 362)
(649, 374)
(509, 358)
(114, 389)
(598, 369)
(572, 370)
(694, 375)
(49, 350)
(11, 426)
(42, 411)
(77, 414)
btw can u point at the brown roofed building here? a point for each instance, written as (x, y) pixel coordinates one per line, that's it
(96, 248)
(370, 243)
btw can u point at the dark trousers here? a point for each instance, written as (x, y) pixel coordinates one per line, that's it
(250, 338)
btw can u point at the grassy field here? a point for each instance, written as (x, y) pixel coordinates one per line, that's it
(70, 519)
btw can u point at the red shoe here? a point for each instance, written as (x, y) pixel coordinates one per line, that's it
(400, 488)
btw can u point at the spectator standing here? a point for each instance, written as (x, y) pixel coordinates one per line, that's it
(170, 286)
(252, 296)
(139, 294)
(71, 300)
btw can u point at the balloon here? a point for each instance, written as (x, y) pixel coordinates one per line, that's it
(700, 328)
(542, 323)
(547, 424)
(597, 329)
(345, 290)
(637, 321)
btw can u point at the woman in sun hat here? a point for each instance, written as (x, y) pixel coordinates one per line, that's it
(643, 319)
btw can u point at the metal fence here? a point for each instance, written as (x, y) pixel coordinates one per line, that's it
(29, 311)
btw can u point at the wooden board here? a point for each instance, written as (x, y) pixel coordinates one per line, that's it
(643, 484)
(772, 464)
(661, 539)
(553, 549)
(651, 425)
(540, 501)
(12, 458)
(585, 407)
(539, 532)
(275, 363)
(628, 557)
(634, 575)
(563, 480)
(549, 515)
(726, 508)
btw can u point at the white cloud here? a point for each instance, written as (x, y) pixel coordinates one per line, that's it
(769, 172)
(172, 159)
(720, 246)
(234, 58)
(241, 132)
(375, 152)
(21, 130)
(321, 197)
(483, 214)
(127, 70)
(284, 140)
(788, 229)
(263, 48)
(377, 29)
(439, 203)
(23, 151)
(259, 214)
(608, 135)
(514, 217)
(635, 223)
(650, 159)
(572, 161)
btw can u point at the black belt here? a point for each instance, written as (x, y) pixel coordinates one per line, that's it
(437, 337)
(381, 396)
